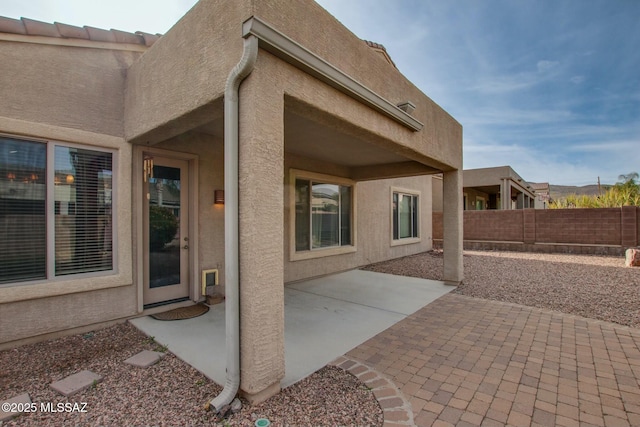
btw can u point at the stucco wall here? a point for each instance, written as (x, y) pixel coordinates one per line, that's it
(74, 95)
(26, 319)
(373, 233)
(171, 88)
(73, 87)
(488, 176)
(441, 138)
(260, 170)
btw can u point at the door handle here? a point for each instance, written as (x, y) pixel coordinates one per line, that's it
(185, 247)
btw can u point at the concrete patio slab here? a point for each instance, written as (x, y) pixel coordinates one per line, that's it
(76, 382)
(324, 318)
(19, 401)
(387, 292)
(199, 341)
(145, 358)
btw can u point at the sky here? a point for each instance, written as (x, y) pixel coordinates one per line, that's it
(550, 88)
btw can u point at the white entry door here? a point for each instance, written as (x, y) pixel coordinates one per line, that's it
(166, 226)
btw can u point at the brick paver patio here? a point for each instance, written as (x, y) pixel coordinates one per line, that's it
(463, 361)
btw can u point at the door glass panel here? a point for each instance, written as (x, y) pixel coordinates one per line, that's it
(164, 227)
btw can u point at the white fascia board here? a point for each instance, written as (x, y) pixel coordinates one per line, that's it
(290, 51)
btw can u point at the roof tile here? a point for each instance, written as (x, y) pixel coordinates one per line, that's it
(39, 28)
(125, 37)
(149, 39)
(375, 45)
(32, 27)
(13, 26)
(380, 48)
(71, 31)
(100, 35)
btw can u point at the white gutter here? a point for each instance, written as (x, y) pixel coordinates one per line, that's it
(231, 251)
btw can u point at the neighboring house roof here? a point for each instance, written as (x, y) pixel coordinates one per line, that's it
(31, 27)
(542, 190)
(540, 186)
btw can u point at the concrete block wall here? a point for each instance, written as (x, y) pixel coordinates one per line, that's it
(494, 225)
(437, 226)
(529, 226)
(630, 223)
(581, 226)
(607, 231)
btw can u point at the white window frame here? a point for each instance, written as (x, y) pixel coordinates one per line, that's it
(405, 240)
(295, 255)
(50, 275)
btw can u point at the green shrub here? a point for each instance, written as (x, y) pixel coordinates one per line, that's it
(625, 193)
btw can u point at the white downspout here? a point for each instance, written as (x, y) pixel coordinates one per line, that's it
(231, 236)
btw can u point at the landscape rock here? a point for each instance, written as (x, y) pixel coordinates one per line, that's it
(632, 258)
(236, 405)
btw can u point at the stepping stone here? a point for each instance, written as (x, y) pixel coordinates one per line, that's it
(76, 382)
(145, 358)
(21, 400)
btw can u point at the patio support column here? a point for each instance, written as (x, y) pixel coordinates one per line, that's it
(452, 242)
(261, 227)
(505, 194)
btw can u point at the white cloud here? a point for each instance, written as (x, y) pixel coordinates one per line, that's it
(493, 148)
(577, 79)
(545, 65)
(508, 116)
(505, 83)
(624, 147)
(512, 82)
(537, 165)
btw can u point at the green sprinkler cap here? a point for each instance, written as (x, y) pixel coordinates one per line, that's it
(262, 422)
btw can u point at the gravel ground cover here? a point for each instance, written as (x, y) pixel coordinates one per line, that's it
(173, 393)
(596, 287)
(169, 393)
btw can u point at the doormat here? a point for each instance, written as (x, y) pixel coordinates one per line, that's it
(182, 313)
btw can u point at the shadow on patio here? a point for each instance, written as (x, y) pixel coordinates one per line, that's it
(324, 319)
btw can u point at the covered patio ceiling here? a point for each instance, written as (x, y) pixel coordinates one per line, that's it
(323, 138)
(314, 134)
(487, 189)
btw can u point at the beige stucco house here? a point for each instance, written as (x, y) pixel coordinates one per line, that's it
(494, 188)
(116, 150)
(543, 194)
